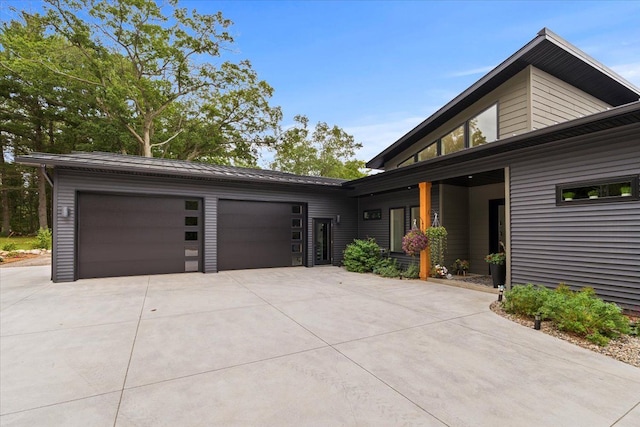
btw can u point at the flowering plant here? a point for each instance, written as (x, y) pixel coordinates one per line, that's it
(496, 258)
(414, 242)
(440, 271)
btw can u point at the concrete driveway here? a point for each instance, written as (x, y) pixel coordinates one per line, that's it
(288, 347)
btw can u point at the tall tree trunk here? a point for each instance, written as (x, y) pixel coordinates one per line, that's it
(42, 199)
(5, 227)
(42, 182)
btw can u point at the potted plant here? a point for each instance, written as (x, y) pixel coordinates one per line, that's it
(593, 194)
(497, 267)
(437, 236)
(568, 195)
(414, 242)
(625, 190)
(460, 267)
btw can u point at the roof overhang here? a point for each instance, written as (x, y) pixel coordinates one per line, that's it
(546, 51)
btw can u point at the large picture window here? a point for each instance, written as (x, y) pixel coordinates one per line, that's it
(483, 128)
(396, 225)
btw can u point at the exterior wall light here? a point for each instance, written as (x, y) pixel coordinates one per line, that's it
(64, 212)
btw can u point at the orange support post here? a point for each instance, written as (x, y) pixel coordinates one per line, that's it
(425, 217)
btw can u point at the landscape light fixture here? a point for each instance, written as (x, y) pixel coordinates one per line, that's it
(500, 292)
(536, 322)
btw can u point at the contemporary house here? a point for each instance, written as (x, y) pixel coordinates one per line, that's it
(541, 154)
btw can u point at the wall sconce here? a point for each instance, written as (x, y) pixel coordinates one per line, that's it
(337, 219)
(64, 212)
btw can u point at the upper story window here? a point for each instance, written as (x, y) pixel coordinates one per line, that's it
(476, 131)
(483, 128)
(453, 141)
(428, 153)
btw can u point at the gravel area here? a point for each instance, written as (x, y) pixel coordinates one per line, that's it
(625, 349)
(475, 278)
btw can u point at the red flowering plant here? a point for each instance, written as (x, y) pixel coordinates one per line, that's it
(414, 242)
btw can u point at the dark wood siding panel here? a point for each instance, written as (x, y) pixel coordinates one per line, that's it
(320, 203)
(455, 218)
(595, 245)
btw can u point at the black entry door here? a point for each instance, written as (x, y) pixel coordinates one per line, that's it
(322, 241)
(497, 225)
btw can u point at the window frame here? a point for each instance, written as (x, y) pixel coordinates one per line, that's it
(402, 231)
(372, 214)
(633, 179)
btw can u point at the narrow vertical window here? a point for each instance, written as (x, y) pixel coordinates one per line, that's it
(396, 232)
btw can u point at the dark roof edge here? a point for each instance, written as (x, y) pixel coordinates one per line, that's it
(57, 160)
(575, 51)
(542, 35)
(560, 127)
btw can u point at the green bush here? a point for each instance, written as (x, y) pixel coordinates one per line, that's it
(581, 313)
(387, 267)
(525, 300)
(584, 314)
(361, 256)
(9, 247)
(43, 239)
(412, 271)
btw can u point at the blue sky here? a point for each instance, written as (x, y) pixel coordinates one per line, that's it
(378, 68)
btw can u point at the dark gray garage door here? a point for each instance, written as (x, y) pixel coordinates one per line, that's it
(132, 235)
(260, 234)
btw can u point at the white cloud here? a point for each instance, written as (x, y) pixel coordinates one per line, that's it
(630, 72)
(473, 71)
(375, 136)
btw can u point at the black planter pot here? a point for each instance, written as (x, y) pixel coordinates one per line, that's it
(498, 274)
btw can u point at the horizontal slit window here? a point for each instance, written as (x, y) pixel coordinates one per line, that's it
(191, 235)
(191, 220)
(606, 190)
(191, 205)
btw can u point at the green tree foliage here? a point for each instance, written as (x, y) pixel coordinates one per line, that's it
(327, 151)
(153, 69)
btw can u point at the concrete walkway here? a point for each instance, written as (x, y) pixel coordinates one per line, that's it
(288, 347)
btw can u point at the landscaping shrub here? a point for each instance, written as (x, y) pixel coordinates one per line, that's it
(387, 267)
(43, 239)
(412, 271)
(584, 314)
(525, 300)
(361, 256)
(581, 313)
(9, 247)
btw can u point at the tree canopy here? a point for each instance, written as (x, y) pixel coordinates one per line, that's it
(325, 151)
(140, 77)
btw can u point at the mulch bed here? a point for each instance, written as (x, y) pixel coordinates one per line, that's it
(18, 257)
(625, 349)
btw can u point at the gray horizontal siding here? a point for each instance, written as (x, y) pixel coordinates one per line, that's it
(380, 229)
(596, 245)
(321, 202)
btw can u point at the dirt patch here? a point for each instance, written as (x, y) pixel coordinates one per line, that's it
(26, 260)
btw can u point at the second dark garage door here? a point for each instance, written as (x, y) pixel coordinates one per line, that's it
(132, 235)
(260, 234)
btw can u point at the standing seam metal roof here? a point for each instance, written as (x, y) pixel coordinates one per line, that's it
(180, 168)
